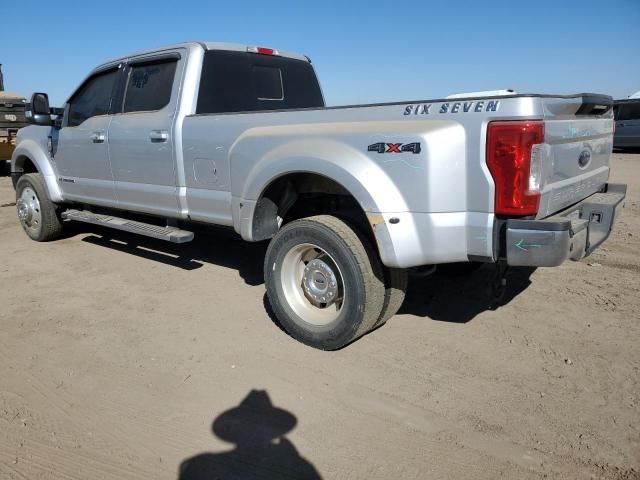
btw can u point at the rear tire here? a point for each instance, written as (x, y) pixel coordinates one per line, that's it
(38, 215)
(396, 281)
(326, 286)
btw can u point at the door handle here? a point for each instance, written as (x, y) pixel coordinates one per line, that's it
(158, 136)
(98, 137)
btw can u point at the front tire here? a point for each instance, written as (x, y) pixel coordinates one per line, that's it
(325, 285)
(38, 215)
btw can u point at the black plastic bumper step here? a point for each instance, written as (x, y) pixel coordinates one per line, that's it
(170, 234)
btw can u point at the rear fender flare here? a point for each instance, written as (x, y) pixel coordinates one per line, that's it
(362, 177)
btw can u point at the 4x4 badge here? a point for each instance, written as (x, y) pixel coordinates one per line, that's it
(382, 147)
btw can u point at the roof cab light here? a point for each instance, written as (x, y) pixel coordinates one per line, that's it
(262, 50)
(515, 154)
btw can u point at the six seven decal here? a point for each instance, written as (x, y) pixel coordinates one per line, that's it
(453, 107)
(382, 147)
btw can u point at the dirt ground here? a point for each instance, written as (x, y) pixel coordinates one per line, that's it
(128, 358)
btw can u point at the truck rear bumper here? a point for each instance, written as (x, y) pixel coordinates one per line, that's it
(573, 233)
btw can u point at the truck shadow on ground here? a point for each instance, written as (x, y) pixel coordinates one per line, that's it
(217, 246)
(459, 299)
(451, 299)
(262, 451)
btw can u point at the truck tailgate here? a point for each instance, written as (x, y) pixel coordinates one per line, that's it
(577, 152)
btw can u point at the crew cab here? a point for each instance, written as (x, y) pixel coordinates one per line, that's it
(350, 198)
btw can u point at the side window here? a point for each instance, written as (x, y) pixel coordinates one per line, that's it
(93, 98)
(621, 112)
(628, 111)
(632, 111)
(149, 86)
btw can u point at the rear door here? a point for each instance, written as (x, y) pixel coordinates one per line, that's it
(141, 137)
(82, 154)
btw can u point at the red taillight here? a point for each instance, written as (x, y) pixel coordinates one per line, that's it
(509, 160)
(262, 50)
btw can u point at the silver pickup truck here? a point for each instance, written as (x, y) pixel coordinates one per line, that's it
(350, 197)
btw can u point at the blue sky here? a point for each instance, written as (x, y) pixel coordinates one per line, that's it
(363, 52)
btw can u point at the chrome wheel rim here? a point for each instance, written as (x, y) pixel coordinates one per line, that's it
(312, 283)
(29, 211)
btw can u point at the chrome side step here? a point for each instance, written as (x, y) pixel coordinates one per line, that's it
(170, 234)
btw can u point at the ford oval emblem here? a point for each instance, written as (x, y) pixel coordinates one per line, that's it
(584, 158)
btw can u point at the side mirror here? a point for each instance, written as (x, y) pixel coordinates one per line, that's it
(40, 111)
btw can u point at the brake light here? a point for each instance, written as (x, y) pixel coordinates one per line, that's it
(515, 164)
(262, 50)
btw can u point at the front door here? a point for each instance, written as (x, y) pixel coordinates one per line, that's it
(141, 139)
(82, 153)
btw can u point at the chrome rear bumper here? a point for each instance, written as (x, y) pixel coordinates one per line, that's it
(573, 233)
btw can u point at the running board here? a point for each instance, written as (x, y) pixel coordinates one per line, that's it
(170, 234)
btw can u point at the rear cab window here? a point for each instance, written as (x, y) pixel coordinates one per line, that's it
(248, 82)
(268, 82)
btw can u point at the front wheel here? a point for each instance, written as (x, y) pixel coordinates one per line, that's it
(38, 215)
(324, 283)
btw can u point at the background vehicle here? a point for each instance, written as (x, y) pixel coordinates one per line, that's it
(349, 197)
(12, 118)
(627, 117)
